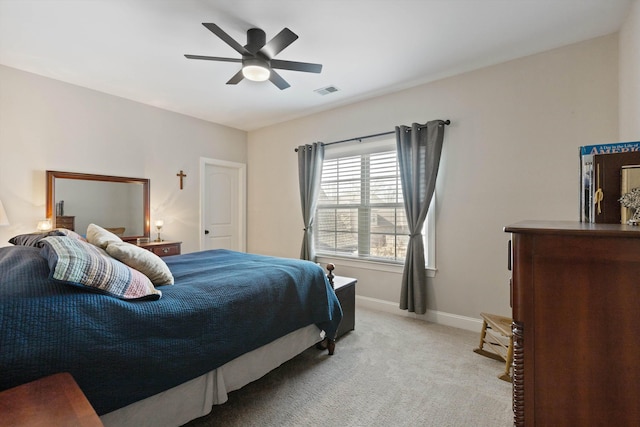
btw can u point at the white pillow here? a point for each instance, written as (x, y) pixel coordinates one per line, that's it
(143, 260)
(100, 237)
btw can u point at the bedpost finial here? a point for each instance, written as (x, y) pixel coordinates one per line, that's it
(330, 276)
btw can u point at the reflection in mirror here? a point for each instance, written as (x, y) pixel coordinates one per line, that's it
(119, 204)
(114, 205)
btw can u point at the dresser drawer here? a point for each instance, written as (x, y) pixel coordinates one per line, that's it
(163, 248)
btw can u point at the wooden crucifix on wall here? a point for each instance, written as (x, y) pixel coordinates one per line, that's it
(181, 175)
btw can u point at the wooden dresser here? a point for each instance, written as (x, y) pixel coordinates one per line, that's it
(68, 222)
(576, 323)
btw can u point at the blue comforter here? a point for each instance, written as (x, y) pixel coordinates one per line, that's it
(223, 304)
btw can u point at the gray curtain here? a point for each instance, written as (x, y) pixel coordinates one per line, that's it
(310, 158)
(419, 149)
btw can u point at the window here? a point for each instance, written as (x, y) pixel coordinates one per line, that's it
(360, 210)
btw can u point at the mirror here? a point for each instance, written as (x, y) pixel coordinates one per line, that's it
(119, 204)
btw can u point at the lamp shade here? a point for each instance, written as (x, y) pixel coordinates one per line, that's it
(256, 69)
(44, 225)
(256, 73)
(4, 219)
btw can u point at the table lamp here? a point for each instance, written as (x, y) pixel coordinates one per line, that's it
(159, 224)
(44, 225)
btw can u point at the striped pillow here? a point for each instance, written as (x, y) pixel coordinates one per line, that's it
(33, 239)
(81, 264)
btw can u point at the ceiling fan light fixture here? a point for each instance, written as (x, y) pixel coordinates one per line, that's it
(258, 63)
(257, 73)
(256, 69)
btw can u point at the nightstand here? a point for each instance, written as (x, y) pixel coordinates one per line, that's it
(162, 248)
(51, 401)
(345, 288)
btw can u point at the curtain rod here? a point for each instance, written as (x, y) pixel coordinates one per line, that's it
(444, 122)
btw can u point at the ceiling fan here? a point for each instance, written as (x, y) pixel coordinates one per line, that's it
(257, 56)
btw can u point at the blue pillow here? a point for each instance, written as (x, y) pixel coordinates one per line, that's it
(78, 263)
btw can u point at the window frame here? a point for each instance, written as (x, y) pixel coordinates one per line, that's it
(376, 146)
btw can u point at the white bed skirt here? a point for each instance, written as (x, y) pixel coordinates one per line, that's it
(195, 398)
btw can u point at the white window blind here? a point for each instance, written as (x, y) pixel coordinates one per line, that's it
(360, 211)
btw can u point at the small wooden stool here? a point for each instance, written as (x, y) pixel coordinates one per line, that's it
(496, 334)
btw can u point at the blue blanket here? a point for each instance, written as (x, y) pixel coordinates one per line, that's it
(223, 304)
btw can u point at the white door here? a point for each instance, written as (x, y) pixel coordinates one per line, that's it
(223, 201)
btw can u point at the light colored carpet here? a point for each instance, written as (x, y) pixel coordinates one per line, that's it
(391, 371)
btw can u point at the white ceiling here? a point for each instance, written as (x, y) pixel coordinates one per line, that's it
(134, 48)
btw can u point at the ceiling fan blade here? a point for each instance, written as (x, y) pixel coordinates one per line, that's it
(226, 38)
(277, 44)
(296, 66)
(213, 58)
(237, 78)
(277, 80)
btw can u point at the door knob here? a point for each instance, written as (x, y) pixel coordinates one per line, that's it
(206, 231)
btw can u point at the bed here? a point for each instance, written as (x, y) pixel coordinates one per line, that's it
(165, 358)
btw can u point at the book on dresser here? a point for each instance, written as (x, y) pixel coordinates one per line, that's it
(600, 179)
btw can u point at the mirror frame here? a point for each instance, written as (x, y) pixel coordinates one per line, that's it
(51, 196)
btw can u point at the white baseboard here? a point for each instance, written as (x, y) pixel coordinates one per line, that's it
(439, 317)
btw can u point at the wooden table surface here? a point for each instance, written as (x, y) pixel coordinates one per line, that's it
(51, 401)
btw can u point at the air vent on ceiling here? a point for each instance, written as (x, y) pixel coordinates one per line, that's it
(326, 90)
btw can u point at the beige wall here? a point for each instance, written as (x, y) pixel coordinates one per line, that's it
(48, 124)
(630, 76)
(511, 153)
